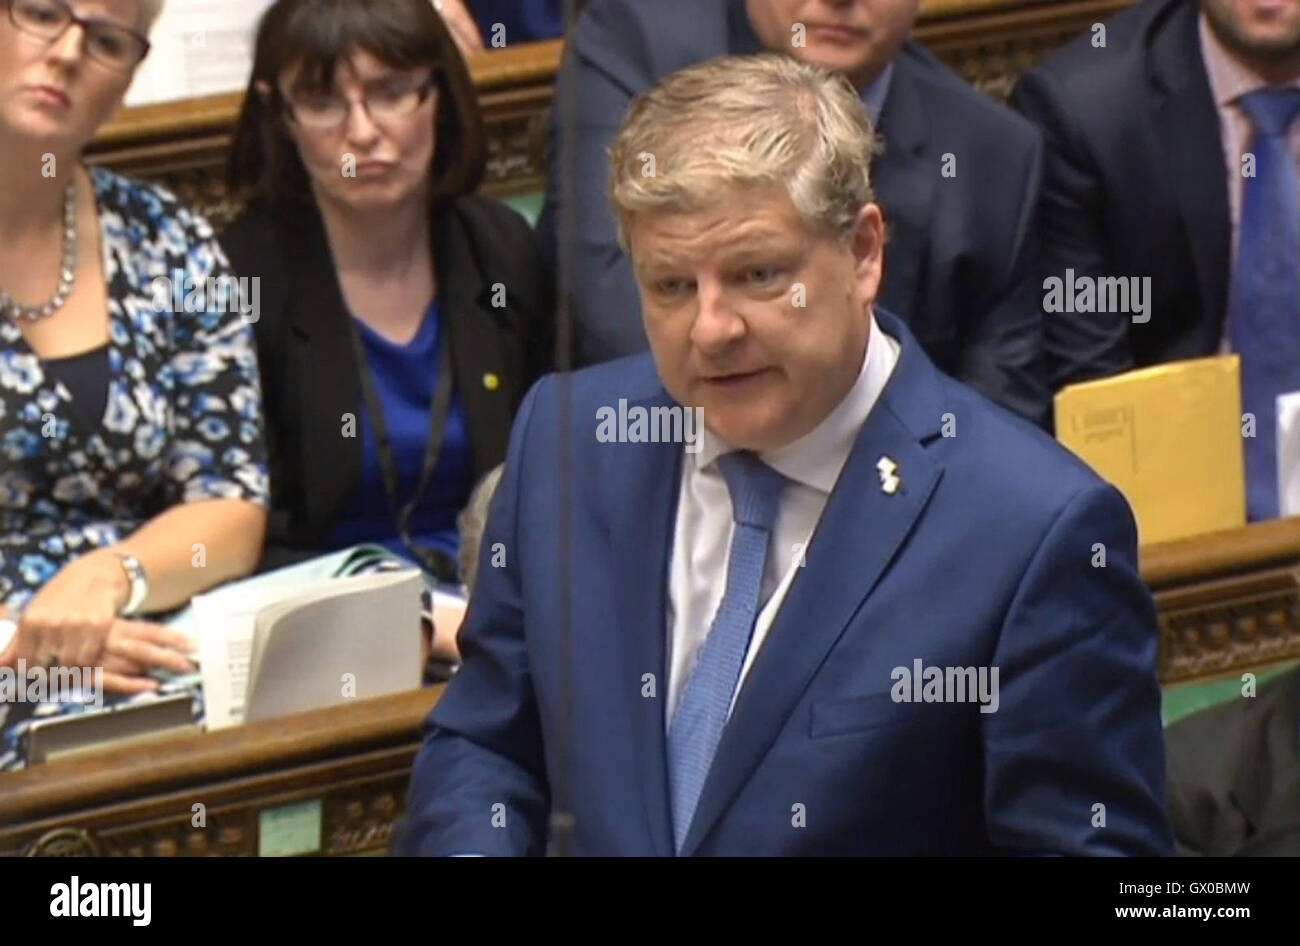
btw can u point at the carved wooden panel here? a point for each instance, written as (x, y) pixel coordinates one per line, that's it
(993, 44)
(1227, 601)
(346, 768)
(184, 144)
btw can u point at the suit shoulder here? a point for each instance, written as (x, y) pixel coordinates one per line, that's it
(1012, 465)
(502, 241)
(633, 378)
(492, 219)
(654, 39)
(1083, 68)
(978, 114)
(251, 240)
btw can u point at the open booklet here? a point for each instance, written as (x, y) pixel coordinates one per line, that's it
(345, 625)
(339, 627)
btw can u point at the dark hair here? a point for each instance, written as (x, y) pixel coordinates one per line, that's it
(314, 35)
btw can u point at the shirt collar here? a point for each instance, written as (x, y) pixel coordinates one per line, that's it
(1229, 77)
(874, 94)
(816, 458)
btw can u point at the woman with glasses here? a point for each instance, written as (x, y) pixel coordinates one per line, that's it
(132, 462)
(403, 316)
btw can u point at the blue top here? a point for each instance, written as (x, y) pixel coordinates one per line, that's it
(405, 376)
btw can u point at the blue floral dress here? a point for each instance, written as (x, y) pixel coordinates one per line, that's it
(183, 420)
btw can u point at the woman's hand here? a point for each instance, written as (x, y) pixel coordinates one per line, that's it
(447, 618)
(68, 620)
(133, 648)
(461, 25)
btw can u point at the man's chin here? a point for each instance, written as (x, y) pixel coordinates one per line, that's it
(839, 59)
(743, 433)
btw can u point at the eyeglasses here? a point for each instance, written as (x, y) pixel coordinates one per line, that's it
(118, 47)
(385, 100)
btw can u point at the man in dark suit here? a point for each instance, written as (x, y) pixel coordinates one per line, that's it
(1234, 775)
(1172, 146)
(958, 179)
(784, 587)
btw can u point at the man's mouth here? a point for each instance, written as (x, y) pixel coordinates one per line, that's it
(735, 378)
(836, 33)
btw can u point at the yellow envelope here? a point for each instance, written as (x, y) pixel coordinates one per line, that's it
(1169, 437)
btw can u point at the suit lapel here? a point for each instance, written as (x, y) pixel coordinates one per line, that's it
(640, 535)
(861, 524)
(905, 180)
(327, 364)
(1187, 126)
(472, 327)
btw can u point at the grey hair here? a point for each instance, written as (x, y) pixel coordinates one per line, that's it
(149, 11)
(472, 521)
(741, 121)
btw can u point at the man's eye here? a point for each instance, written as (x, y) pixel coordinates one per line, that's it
(761, 275)
(670, 287)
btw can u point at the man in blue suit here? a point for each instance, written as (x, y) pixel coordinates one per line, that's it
(958, 177)
(858, 610)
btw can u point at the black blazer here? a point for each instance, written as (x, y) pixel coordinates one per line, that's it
(961, 257)
(1234, 774)
(310, 375)
(1135, 185)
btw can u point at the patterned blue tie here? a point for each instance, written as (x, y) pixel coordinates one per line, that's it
(701, 712)
(1265, 304)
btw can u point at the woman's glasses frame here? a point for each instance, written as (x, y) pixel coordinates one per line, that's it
(340, 109)
(95, 31)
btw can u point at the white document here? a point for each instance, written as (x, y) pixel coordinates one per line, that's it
(356, 638)
(1288, 453)
(198, 47)
(223, 622)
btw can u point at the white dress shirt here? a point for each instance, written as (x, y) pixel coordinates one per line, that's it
(702, 536)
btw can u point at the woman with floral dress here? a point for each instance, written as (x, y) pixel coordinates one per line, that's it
(132, 461)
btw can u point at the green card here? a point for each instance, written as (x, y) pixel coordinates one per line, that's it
(289, 829)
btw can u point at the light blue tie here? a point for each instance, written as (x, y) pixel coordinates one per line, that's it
(701, 712)
(1264, 308)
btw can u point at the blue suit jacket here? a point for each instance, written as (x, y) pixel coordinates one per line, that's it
(961, 262)
(988, 555)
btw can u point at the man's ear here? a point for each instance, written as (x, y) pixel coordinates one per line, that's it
(263, 90)
(868, 246)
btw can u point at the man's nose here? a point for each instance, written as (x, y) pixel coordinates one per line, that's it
(717, 323)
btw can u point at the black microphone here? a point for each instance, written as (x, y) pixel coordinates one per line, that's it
(562, 823)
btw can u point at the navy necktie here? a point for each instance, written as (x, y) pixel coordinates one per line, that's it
(1264, 309)
(701, 712)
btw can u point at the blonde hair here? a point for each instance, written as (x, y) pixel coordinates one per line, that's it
(150, 9)
(739, 121)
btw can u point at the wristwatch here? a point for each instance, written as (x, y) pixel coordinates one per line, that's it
(139, 584)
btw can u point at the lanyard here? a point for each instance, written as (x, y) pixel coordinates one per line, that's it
(435, 560)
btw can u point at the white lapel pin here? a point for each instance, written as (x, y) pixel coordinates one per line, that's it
(889, 478)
